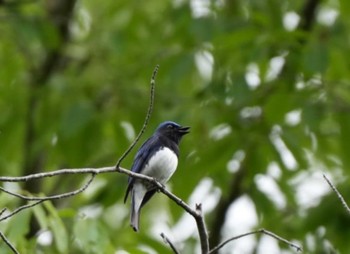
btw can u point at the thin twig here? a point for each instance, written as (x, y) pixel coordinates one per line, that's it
(167, 241)
(269, 233)
(8, 243)
(216, 248)
(2, 211)
(148, 116)
(259, 231)
(342, 200)
(23, 207)
(58, 196)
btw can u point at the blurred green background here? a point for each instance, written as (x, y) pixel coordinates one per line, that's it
(265, 86)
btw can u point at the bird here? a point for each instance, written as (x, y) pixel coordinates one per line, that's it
(157, 158)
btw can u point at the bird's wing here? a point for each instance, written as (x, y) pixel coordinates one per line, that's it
(142, 156)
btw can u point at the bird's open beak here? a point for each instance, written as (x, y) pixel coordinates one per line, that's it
(184, 130)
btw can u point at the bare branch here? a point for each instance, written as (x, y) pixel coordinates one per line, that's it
(261, 231)
(342, 200)
(72, 171)
(8, 243)
(148, 116)
(196, 214)
(59, 196)
(235, 190)
(167, 241)
(96, 171)
(58, 172)
(203, 234)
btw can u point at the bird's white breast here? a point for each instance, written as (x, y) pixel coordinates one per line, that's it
(162, 165)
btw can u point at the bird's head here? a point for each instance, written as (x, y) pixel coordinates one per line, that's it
(172, 130)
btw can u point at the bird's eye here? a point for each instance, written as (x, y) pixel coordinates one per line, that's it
(170, 126)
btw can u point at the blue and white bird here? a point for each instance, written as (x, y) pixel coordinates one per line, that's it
(157, 158)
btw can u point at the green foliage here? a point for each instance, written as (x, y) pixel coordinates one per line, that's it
(84, 110)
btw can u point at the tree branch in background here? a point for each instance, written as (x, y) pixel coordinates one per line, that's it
(167, 241)
(342, 200)
(308, 14)
(261, 231)
(60, 13)
(235, 191)
(307, 19)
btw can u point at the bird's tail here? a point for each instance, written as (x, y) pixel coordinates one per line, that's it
(137, 195)
(135, 218)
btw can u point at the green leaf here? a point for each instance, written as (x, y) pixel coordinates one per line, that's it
(59, 231)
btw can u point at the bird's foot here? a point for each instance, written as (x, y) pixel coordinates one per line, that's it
(157, 183)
